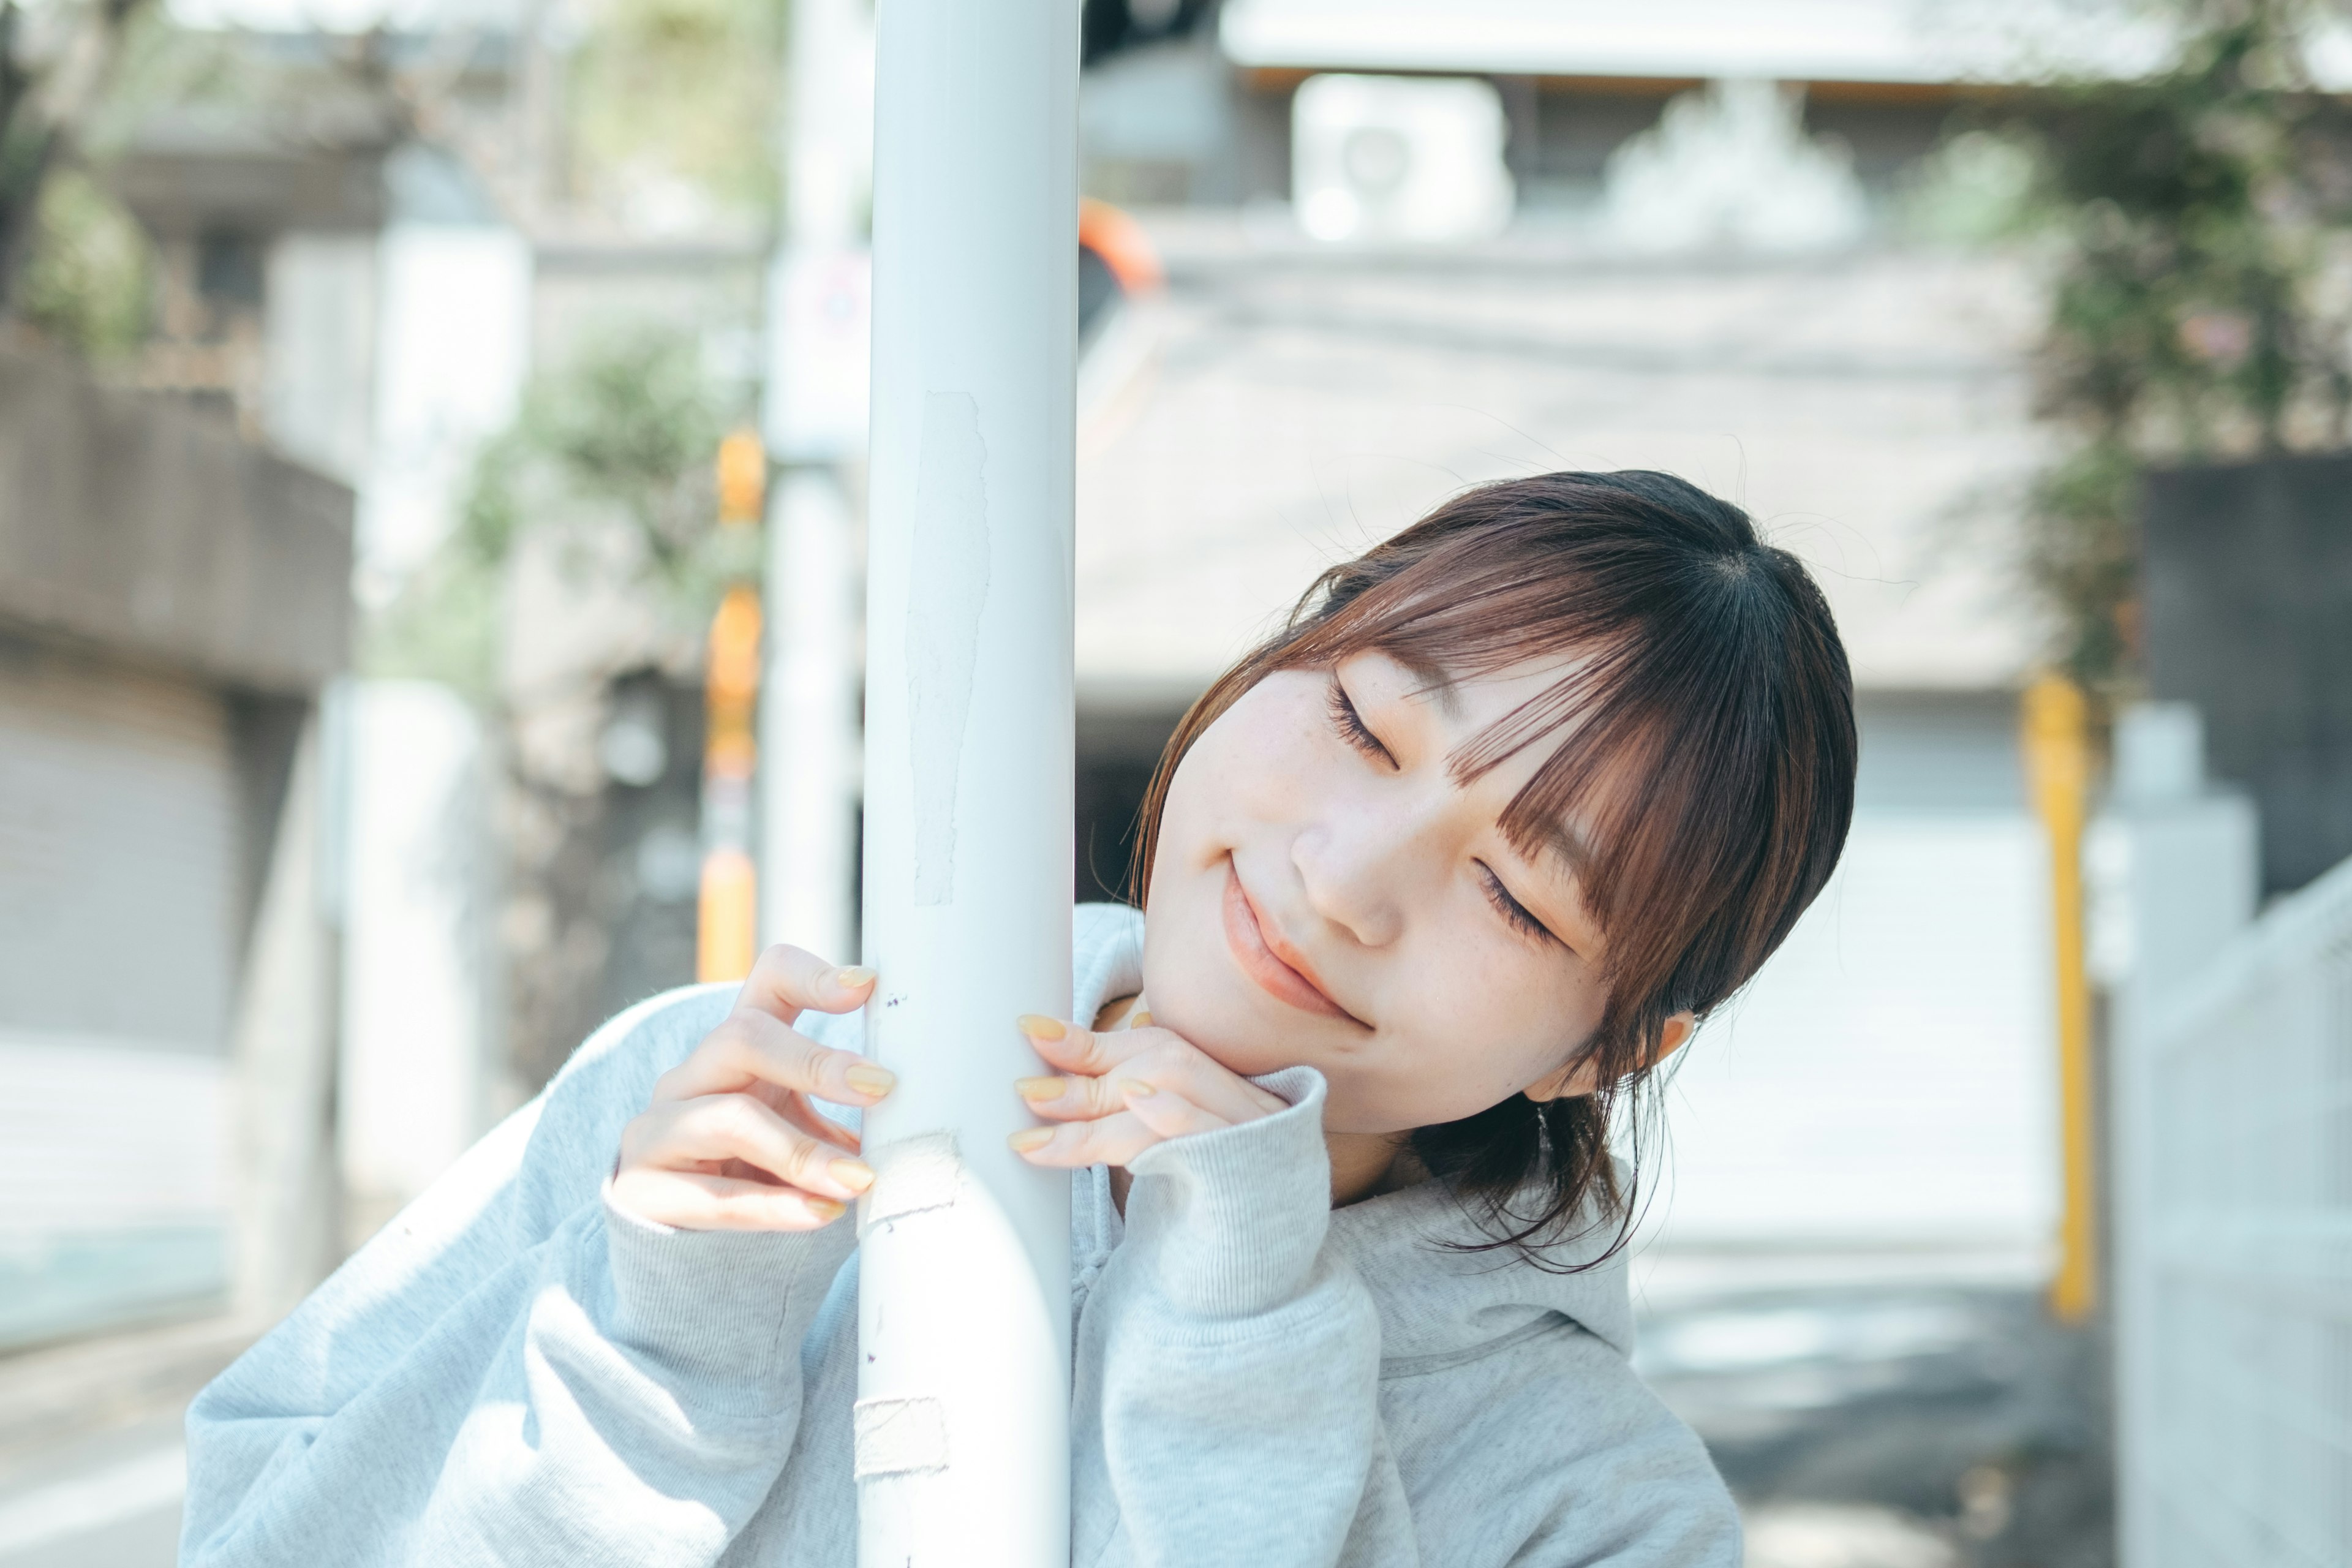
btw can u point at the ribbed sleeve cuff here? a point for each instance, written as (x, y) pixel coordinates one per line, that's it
(1231, 1220)
(725, 1308)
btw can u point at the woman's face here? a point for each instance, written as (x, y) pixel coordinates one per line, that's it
(1325, 894)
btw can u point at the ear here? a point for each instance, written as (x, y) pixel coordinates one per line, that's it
(1576, 1079)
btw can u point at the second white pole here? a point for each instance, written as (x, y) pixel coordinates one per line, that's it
(963, 1419)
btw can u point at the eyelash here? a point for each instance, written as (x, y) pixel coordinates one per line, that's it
(1351, 726)
(1510, 908)
(1352, 729)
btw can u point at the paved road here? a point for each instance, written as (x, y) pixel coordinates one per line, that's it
(107, 1501)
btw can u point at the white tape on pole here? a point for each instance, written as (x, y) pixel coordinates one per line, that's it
(964, 1295)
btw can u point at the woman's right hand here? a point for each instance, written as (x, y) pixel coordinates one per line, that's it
(732, 1140)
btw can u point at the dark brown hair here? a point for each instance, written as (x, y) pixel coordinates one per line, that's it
(1709, 753)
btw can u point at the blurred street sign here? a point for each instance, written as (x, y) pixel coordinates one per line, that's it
(818, 375)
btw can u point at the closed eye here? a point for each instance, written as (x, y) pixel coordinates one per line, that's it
(1351, 726)
(1510, 908)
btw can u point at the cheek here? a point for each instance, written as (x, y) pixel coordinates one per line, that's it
(1246, 785)
(1251, 772)
(1512, 1019)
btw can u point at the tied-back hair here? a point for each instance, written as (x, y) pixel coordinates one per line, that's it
(1704, 717)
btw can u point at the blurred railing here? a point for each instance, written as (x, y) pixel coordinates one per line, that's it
(2234, 1249)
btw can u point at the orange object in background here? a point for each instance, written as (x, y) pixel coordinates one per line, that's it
(727, 939)
(727, 936)
(1123, 245)
(742, 477)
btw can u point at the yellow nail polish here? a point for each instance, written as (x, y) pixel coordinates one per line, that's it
(1030, 1137)
(1136, 1089)
(824, 1208)
(852, 976)
(1039, 1088)
(867, 1079)
(1037, 1026)
(1141, 1021)
(854, 1174)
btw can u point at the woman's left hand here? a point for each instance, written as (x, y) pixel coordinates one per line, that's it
(1123, 1090)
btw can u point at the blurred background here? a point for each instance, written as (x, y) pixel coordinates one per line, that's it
(430, 469)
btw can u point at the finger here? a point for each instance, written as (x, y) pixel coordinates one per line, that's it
(1073, 1050)
(751, 1047)
(1168, 1061)
(693, 1200)
(818, 1125)
(1075, 1098)
(1167, 1114)
(737, 1127)
(787, 979)
(1112, 1141)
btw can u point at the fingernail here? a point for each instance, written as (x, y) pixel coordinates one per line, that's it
(867, 1079)
(824, 1208)
(1029, 1138)
(854, 1174)
(853, 976)
(1037, 1026)
(1141, 1021)
(1136, 1089)
(1038, 1087)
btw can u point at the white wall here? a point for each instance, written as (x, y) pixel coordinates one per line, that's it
(454, 336)
(1884, 1094)
(415, 1090)
(1880, 1106)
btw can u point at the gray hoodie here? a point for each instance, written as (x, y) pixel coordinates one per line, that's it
(514, 1371)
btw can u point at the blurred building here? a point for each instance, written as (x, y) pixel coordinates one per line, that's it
(363, 265)
(173, 601)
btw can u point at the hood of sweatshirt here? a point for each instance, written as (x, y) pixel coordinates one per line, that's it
(1439, 1302)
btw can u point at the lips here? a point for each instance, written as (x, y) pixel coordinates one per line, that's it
(1278, 968)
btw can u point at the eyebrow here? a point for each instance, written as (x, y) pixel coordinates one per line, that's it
(1434, 682)
(1569, 844)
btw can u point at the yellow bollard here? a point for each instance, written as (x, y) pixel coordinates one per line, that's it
(2054, 735)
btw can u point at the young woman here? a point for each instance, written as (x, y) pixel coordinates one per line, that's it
(1436, 877)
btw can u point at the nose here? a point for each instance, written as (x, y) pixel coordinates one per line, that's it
(1358, 867)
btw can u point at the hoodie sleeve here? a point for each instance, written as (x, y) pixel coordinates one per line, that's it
(1238, 1415)
(514, 1371)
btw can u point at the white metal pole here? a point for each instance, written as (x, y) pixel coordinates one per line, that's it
(808, 719)
(963, 1294)
(816, 422)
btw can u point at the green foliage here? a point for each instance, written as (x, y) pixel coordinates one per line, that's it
(632, 423)
(1977, 187)
(442, 625)
(2084, 557)
(2196, 209)
(684, 90)
(626, 434)
(89, 283)
(2193, 219)
(166, 67)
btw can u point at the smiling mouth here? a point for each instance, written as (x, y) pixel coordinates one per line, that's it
(1253, 941)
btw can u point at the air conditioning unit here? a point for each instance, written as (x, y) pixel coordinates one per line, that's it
(1412, 159)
